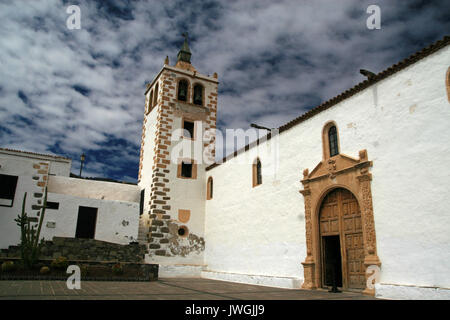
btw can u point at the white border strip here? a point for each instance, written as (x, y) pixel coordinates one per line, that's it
(269, 281)
(402, 292)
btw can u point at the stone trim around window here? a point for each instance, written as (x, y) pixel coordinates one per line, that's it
(194, 169)
(196, 83)
(183, 119)
(326, 141)
(188, 88)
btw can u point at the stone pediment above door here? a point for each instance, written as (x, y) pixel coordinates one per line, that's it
(345, 172)
(337, 165)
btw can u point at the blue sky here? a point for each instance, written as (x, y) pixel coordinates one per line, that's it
(71, 91)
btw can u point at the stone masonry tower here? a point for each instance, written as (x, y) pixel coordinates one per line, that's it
(177, 143)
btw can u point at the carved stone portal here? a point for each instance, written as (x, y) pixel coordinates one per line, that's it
(340, 171)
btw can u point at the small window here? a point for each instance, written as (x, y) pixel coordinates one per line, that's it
(257, 176)
(258, 173)
(141, 202)
(183, 231)
(198, 94)
(209, 190)
(150, 102)
(188, 127)
(182, 90)
(8, 186)
(187, 169)
(332, 140)
(52, 205)
(155, 98)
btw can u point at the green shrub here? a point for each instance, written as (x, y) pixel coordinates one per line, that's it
(8, 266)
(60, 263)
(117, 269)
(44, 270)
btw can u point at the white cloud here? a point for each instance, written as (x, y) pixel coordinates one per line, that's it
(275, 60)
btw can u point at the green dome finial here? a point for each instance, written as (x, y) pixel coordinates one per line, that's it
(185, 53)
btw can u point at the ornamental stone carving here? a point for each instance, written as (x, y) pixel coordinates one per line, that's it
(340, 171)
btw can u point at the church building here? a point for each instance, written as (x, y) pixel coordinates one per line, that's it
(351, 193)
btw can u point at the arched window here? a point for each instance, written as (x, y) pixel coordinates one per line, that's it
(209, 190)
(332, 141)
(257, 176)
(183, 86)
(150, 102)
(198, 94)
(155, 99)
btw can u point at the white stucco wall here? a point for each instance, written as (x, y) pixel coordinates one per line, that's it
(93, 189)
(20, 164)
(118, 204)
(399, 292)
(403, 123)
(23, 168)
(57, 166)
(260, 230)
(117, 221)
(147, 162)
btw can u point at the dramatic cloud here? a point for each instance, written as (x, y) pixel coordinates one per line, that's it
(71, 91)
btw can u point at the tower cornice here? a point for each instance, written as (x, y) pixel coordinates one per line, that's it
(192, 74)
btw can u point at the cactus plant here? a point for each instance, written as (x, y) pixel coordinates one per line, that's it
(30, 245)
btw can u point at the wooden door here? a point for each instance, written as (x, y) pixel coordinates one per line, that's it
(340, 215)
(353, 238)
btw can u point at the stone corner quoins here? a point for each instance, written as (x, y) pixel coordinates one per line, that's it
(166, 114)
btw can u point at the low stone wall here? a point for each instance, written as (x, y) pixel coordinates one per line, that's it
(85, 250)
(132, 271)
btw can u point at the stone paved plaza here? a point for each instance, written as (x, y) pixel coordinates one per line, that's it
(163, 289)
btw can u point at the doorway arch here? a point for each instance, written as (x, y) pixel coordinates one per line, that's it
(341, 240)
(353, 175)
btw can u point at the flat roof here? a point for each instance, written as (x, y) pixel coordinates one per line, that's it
(33, 154)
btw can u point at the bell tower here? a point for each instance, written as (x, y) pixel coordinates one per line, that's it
(177, 145)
